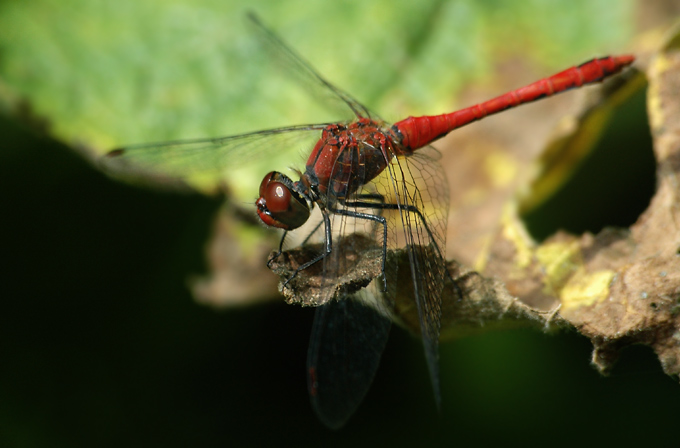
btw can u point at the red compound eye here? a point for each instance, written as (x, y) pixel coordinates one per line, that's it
(280, 204)
(265, 181)
(277, 196)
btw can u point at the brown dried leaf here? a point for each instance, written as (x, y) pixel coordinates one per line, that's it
(620, 286)
(310, 286)
(641, 303)
(485, 302)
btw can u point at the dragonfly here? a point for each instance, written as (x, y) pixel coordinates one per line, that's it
(378, 187)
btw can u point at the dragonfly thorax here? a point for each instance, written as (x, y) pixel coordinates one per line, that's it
(348, 156)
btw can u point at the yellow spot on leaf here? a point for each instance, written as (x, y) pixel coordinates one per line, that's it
(585, 289)
(514, 232)
(657, 68)
(560, 260)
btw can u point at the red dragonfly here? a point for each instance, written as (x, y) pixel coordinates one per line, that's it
(365, 176)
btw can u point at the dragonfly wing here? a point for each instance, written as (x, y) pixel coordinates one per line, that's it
(308, 74)
(411, 196)
(208, 159)
(347, 341)
(417, 268)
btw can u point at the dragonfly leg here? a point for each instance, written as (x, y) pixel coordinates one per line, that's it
(329, 239)
(280, 251)
(413, 209)
(328, 246)
(379, 219)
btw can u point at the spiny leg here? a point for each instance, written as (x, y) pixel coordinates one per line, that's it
(328, 237)
(380, 205)
(369, 217)
(280, 251)
(328, 246)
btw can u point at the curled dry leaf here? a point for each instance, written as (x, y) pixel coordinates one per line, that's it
(641, 301)
(622, 286)
(485, 302)
(309, 286)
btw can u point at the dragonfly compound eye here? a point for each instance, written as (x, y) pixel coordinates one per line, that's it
(278, 197)
(279, 204)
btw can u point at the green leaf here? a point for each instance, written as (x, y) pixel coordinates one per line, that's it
(105, 74)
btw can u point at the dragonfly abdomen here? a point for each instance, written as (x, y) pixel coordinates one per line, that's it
(417, 132)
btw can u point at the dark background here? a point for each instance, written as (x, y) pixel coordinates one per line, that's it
(101, 343)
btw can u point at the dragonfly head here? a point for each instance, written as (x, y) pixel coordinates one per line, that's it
(282, 202)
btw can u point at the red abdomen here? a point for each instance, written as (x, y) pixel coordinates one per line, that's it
(417, 132)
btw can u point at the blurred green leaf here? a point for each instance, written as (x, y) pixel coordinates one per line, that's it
(105, 74)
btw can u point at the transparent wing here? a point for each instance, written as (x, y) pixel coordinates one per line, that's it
(411, 195)
(348, 339)
(406, 206)
(418, 184)
(208, 159)
(304, 70)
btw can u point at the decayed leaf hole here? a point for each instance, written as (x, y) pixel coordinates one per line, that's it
(611, 187)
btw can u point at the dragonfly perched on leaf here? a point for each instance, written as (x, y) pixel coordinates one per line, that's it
(383, 202)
